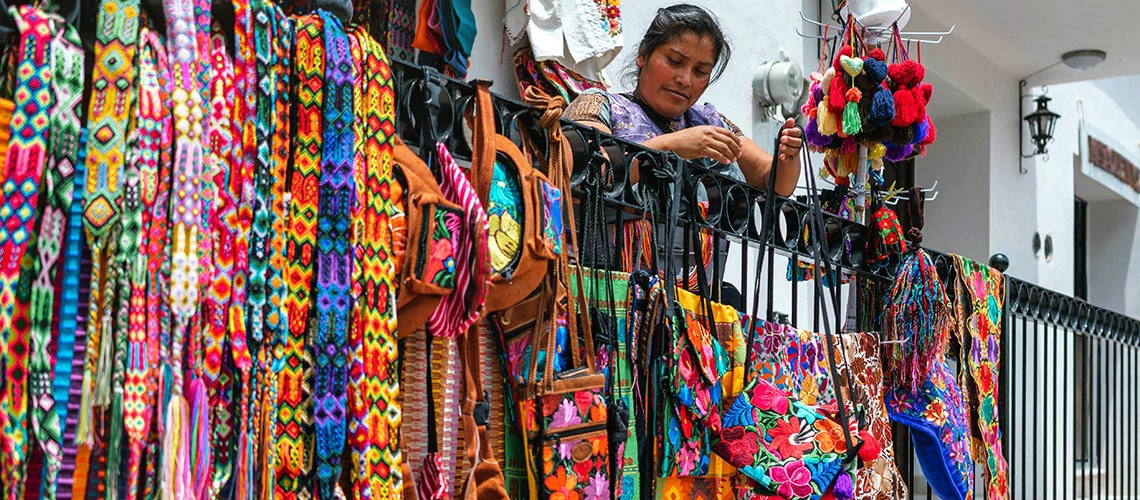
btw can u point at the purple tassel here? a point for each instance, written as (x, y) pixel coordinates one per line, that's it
(814, 138)
(921, 130)
(817, 93)
(843, 489)
(899, 153)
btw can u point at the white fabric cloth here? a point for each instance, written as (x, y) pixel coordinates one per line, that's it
(573, 33)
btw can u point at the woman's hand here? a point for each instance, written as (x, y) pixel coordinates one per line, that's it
(704, 141)
(791, 140)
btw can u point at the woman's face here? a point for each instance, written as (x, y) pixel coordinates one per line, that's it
(675, 75)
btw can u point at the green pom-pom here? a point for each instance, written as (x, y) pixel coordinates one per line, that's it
(852, 124)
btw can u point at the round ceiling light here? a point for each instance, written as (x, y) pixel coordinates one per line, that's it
(1083, 60)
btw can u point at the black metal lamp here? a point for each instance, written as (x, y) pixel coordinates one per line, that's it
(1041, 122)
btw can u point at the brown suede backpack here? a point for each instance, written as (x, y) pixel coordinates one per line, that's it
(517, 198)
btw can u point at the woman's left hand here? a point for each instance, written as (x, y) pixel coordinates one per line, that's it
(791, 140)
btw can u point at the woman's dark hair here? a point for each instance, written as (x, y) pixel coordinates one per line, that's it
(679, 19)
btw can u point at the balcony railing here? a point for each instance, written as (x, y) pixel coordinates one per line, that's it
(1070, 371)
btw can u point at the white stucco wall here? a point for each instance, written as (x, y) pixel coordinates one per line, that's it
(955, 219)
(1114, 250)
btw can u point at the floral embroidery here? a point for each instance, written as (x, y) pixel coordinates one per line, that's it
(438, 267)
(980, 291)
(797, 364)
(552, 217)
(938, 397)
(504, 218)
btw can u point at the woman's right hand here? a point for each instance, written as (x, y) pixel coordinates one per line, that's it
(704, 141)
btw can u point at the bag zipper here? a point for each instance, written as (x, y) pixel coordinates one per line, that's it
(425, 228)
(559, 435)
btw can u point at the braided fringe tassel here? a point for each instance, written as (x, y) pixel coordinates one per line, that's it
(917, 316)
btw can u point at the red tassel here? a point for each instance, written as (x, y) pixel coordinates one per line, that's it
(927, 91)
(870, 449)
(905, 108)
(877, 54)
(919, 105)
(836, 94)
(906, 73)
(846, 50)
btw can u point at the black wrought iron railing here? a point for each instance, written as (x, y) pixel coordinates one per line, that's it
(1068, 388)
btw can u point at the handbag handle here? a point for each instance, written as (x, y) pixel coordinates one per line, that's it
(559, 176)
(767, 225)
(483, 144)
(819, 243)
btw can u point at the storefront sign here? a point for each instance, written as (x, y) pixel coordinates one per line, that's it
(1109, 163)
(1104, 157)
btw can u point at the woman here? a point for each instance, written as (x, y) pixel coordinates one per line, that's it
(683, 51)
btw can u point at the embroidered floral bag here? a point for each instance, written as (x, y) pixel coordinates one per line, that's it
(770, 437)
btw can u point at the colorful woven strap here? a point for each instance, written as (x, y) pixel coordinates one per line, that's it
(24, 166)
(223, 213)
(139, 198)
(245, 113)
(63, 155)
(262, 38)
(73, 316)
(156, 200)
(334, 262)
(223, 230)
(185, 214)
(375, 390)
(276, 318)
(292, 449)
(110, 111)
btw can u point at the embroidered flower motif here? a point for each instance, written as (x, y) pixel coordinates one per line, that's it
(687, 458)
(935, 412)
(741, 445)
(767, 397)
(830, 436)
(788, 440)
(794, 479)
(566, 415)
(599, 487)
(562, 486)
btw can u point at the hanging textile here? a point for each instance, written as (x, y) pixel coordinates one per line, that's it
(26, 157)
(980, 293)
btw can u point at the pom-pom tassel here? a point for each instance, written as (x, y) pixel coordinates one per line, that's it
(916, 317)
(827, 124)
(897, 152)
(882, 107)
(931, 132)
(905, 108)
(870, 449)
(852, 123)
(812, 135)
(844, 489)
(837, 94)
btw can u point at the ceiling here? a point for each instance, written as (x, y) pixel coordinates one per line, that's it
(1024, 36)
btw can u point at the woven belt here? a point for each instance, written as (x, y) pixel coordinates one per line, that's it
(292, 449)
(25, 164)
(375, 402)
